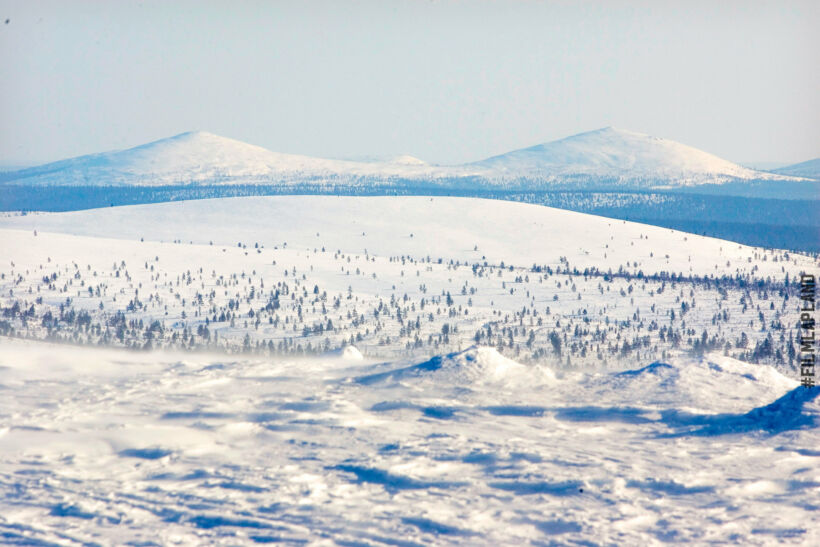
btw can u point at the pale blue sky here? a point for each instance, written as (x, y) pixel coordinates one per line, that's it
(445, 81)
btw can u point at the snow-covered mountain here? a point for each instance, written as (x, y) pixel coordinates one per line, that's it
(200, 157)
(617, 154)
(807, 169)
(604, 158)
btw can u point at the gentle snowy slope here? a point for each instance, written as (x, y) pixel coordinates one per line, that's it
(809, 169)
(395, 276)
(465, 229)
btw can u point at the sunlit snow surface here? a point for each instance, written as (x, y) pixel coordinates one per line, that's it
(355, 447)
(117, 447)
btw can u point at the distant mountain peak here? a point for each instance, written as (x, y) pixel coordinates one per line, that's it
(608, 130)
(809, 169)
(608, 157)
(198, 136)
(406, 159)
(614, 153)
(188, 134)
(202, 157)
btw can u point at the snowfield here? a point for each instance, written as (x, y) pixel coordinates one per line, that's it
(202, 157)
(465, 229)
(397, 371)
(116, 447)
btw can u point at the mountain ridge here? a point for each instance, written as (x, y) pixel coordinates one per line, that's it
(589, 160)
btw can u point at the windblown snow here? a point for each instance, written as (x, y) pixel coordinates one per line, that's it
(397, 371)
(114, 447)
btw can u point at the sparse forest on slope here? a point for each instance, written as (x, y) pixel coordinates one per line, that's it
(575, 289)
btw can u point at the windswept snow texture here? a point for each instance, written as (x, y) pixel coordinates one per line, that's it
(113, 447)
(604, 158)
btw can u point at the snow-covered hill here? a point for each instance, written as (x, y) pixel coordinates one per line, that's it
(202, 157)
(398, 275)
(463, 229)
(807, 169)
(598, 159)
(617, 154)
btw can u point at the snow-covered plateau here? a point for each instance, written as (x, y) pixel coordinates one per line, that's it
(333, 370)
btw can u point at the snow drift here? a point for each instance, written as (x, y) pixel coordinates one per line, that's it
(476, 365)
(710, 384)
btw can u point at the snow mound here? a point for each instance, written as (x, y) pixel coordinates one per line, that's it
(352, 353)
(797, 408)
(346, 353)
(477, 365)
(714, 383)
